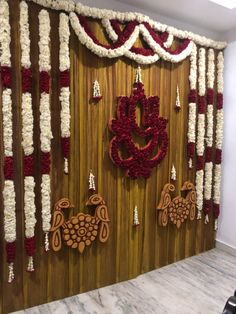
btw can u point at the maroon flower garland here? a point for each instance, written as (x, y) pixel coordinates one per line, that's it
(140, 162)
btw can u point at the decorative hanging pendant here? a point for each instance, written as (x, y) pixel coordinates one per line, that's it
(92, 186)
(177, 103)
(136, 222)
(173, 173)
(138, 75)
(96, 91)
(178, 209)
(80, 230)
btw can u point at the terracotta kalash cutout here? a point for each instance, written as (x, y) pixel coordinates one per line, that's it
(178, 209)
(80, 230)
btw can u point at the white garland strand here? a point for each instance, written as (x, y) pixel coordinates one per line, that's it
(200, 131)
(104, 14)
(45, 119)
(192, 107)
(138, 75)
(9, 205)
(209, 131)
(64, 65)
(96, 90)
(219, 131)
(27, 129)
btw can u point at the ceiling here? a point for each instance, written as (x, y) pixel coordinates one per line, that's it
(201, 13)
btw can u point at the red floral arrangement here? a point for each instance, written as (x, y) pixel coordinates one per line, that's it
(141, 160)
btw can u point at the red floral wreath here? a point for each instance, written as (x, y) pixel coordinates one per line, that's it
(142, 159)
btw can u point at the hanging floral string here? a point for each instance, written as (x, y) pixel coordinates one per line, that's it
(173, 173)
(96, 91)
(136, 222)
(209, 135)
(64, 65)
(9, 204)
(177, 102)
(218, 136)
(45, 120)
(92, 186)
(27, 136)
(138, 75)
(201, 130)
(192, 99)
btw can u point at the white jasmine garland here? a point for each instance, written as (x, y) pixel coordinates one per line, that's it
(138, 75)
(45, 120)
(217, 181)
(65, 111)
(211, 69)
(177, 103)
(173, 173)
(29, 207)
(124, 49)
(135, 217)
(27, 124)
(24, 36)
(96, 89)
(192, 123)
(200, 131)
(219, 128)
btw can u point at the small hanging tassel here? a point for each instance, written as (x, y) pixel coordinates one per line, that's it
(216, 225)
(190, 163)
(96, 91)
(46, 242)
(177, 103)
(92, 187)
(66, 167)
(173, 173)
(11, 275)
(138, 75)
(199, 215)
(136, 222)
(30, 267)
(206, 219)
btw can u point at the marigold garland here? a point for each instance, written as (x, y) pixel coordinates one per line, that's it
(45, 120)
(201, 130)
(218, 136)
(9, 205)
(209, 135)
(64, 65)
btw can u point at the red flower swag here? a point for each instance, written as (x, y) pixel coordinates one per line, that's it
(141, 160)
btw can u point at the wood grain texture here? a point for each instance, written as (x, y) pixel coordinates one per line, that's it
(129, 251)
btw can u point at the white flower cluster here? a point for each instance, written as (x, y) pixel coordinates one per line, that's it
(219, 128)
(5, 54)
(192, 106)
(96, 89)
(9, 188)
(201, 130)
(135, 219)
(211, 69)
(86, 40)
(173, 173)
(45, 118)
(64, 65)
(29, 207)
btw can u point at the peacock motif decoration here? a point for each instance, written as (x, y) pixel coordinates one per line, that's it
(178, 209)
(80, 230)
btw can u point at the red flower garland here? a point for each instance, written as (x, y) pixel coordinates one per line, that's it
(140, 162)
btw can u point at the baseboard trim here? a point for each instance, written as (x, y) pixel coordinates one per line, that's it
(225, 247)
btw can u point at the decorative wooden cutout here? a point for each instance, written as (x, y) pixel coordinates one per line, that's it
(80, 230)
(180, 208)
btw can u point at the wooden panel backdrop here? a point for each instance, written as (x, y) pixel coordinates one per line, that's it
(129, 251)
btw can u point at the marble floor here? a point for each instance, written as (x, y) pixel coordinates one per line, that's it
(196, 285)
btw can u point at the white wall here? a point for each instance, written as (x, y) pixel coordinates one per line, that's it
(227, 221)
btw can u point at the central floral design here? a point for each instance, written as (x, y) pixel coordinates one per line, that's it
(140, 160)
